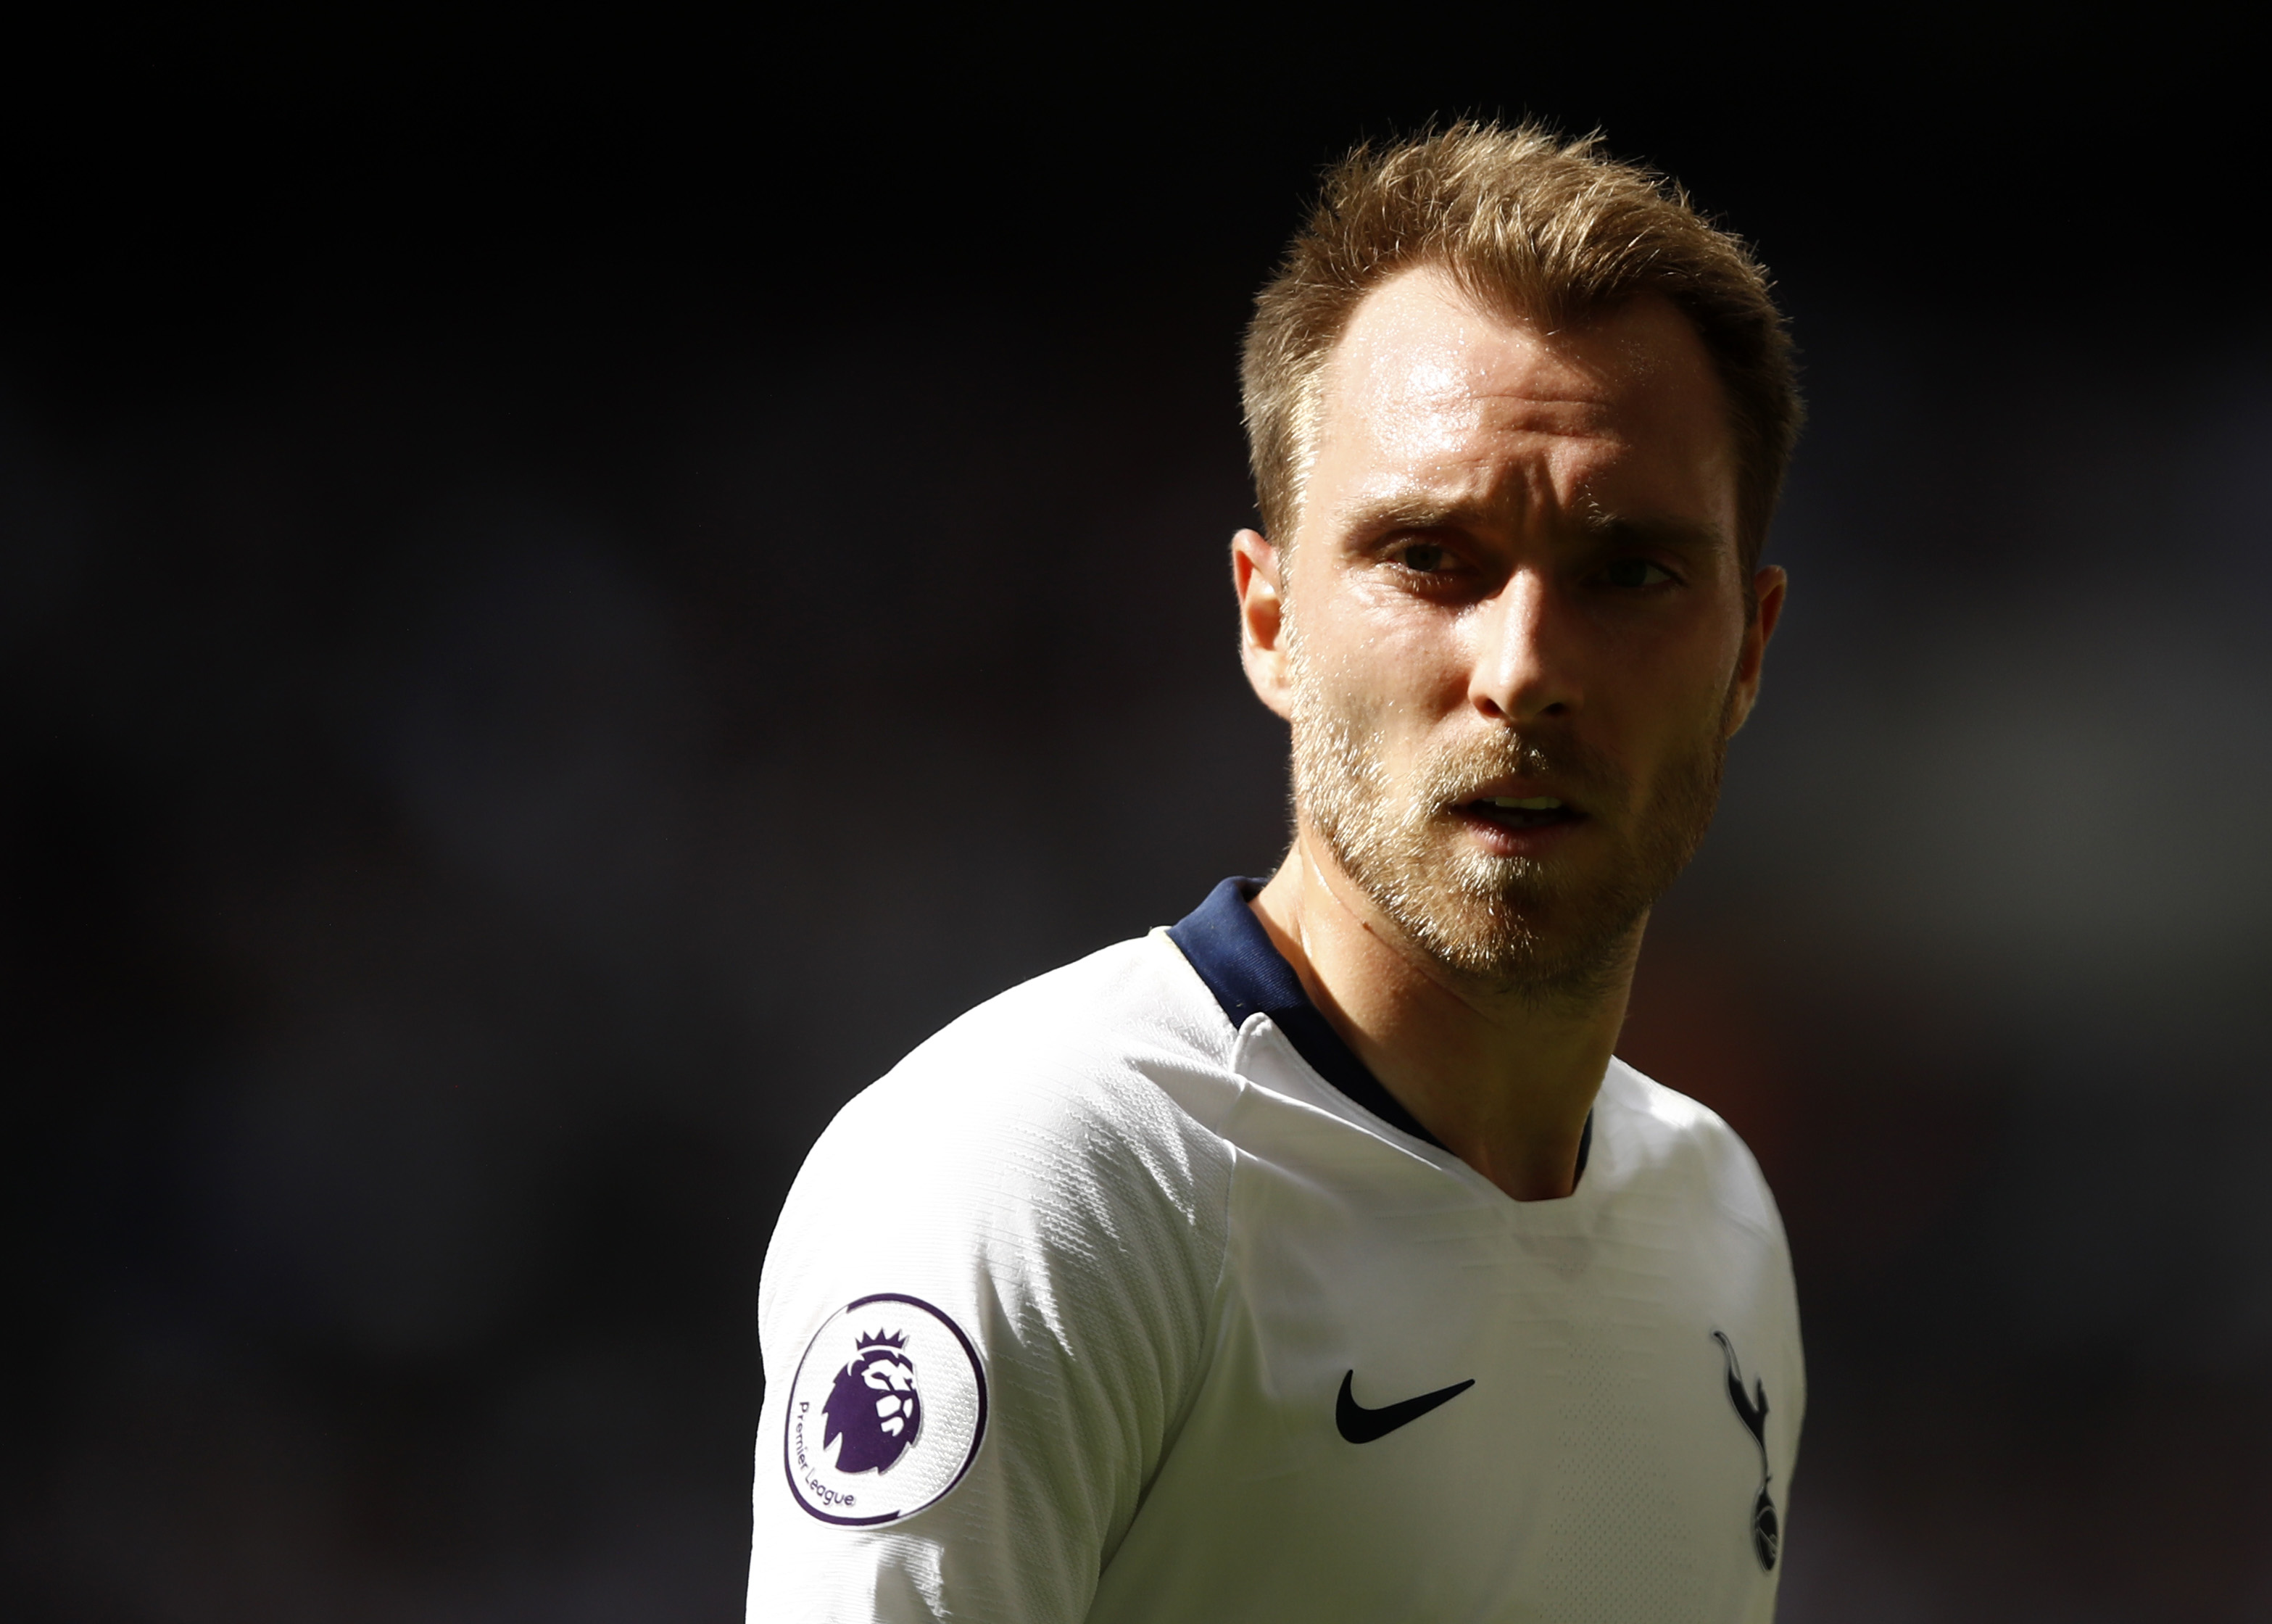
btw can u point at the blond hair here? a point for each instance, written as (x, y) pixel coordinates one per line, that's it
(1540, 228)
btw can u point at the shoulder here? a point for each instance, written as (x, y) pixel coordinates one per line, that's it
(1050, 1123)
(1116, 1046)
(1030, 1191)
(1659, 1135)
(1692, 1176)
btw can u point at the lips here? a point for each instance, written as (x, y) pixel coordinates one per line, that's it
(1523, 812)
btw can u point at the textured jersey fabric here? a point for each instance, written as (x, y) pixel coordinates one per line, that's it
(1196, 1281)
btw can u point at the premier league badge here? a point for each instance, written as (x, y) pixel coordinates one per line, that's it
(886, 1412)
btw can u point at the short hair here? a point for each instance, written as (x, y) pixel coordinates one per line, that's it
(1537, 227)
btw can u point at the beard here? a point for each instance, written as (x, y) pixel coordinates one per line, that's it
(1503, 923)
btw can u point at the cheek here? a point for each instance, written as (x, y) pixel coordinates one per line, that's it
(1379, 654)
(1655, 697)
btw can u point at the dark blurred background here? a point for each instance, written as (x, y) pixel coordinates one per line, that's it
(570, 594)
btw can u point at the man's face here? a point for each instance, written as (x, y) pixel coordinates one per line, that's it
(1511, 632)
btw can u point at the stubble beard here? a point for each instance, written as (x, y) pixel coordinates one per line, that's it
(1505, 925)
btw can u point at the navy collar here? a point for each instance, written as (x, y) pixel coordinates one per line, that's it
(1232, 953)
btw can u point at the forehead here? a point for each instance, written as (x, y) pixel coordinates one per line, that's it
(1429, 392)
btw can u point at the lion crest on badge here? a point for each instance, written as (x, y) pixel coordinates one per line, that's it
(873, 1405)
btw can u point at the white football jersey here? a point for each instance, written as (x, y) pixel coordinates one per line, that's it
(1131, 1295)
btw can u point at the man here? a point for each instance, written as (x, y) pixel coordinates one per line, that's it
(1313, 1259)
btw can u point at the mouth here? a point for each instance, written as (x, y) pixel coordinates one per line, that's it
(1527, 811)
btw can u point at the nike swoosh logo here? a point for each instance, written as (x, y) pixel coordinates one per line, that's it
(1359, 1425)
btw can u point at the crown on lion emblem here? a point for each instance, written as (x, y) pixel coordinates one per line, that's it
(873, 1405)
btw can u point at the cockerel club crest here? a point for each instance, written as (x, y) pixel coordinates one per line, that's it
(1752, 1411)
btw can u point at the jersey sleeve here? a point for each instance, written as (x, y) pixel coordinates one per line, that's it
(1015, 1258)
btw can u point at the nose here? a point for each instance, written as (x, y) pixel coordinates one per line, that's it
(1525, 652)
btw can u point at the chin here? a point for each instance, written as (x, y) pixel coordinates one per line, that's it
(1513, 924)
(1513, 955)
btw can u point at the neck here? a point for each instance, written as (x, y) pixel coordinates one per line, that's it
(1503, 1078)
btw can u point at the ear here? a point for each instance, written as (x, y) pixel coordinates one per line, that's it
(1768, 589)
(1254, 566)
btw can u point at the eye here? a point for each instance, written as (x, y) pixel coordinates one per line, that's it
(1424, 558)
(1634, 572)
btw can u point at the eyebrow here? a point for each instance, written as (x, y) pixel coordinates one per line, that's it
(1417, 511)
(1656, 531)
(1409, 511)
